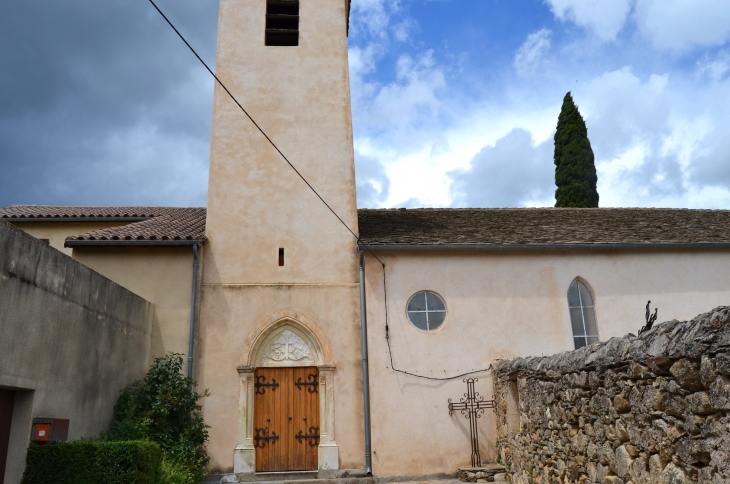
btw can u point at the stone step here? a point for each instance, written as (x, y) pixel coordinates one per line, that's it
(484, 473)
(292, 478)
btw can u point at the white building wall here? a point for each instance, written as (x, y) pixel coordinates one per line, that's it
(502, 305)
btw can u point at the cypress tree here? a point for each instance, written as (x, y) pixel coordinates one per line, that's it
(575, 171)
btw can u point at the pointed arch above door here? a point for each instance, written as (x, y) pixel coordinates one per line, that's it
(286, 338)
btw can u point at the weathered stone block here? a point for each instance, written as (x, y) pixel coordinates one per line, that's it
(656, 468)
(594, 380)
(621, 404)
(654, 399)
(636, 397)
(674, 433)
(636, 370)
(650, 438)
(591, 450)
(694, 451)
(687, 373)
(674, 475)
(722, 363)
(676, 406)
(720, 393)
(608, 456)
(623, 462)
(707, 371)
(699, 404)
(659, 365)
(621, 432)
(639, 471)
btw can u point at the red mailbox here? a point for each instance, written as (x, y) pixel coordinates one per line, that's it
(50, 430)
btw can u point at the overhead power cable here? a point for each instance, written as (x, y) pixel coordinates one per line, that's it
(220, 83)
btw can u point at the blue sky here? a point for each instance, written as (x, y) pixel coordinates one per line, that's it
(454, 101)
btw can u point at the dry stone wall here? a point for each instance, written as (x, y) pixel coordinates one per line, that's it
(648, 409)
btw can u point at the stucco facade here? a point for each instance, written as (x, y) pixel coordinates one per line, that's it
(159, 274)
(56, 232)
(503, 306)
(258, 205)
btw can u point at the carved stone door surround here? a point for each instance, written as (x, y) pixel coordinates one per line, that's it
(286, 339)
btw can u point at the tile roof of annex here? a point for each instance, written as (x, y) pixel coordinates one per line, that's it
(144, 224)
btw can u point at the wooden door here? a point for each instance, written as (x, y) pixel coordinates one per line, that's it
(7, 399)
(286, 419)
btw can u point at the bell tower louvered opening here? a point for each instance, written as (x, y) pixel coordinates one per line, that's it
(282, 23)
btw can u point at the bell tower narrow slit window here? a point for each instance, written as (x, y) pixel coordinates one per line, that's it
(282, 22)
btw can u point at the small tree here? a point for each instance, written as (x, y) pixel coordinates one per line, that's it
(575, 171)
(163, 408)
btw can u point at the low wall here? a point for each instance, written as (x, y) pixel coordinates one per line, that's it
(648, 409)
(70, 340)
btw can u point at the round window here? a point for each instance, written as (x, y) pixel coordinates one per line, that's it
(426, 310)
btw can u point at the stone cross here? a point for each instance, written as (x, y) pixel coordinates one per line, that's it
(472, 407)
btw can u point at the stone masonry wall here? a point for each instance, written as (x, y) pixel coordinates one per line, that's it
(648, 409)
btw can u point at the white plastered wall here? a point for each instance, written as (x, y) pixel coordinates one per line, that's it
(502, 306)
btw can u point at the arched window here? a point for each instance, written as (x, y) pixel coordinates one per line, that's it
(582, 314)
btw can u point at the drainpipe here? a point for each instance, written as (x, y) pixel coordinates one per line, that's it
(192, 310)
(365, 372)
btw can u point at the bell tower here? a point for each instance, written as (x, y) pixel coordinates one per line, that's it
(286, 63)
(273, 247)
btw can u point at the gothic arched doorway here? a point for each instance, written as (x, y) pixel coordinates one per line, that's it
(286, 412)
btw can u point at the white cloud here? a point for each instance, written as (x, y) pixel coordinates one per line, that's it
(531, 52)
(372, 16)
(674, 25)
(604, 18)
(373, 185)
(514, 172)
(679, 25)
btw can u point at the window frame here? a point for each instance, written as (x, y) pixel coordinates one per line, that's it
(583, 307)
(276, 33)
(445, 311)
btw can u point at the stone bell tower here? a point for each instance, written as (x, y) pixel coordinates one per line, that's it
(277, 262)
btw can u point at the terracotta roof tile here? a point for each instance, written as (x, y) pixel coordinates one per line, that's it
(157, 224)
(560, 226)
(430, 226)
(60, 212)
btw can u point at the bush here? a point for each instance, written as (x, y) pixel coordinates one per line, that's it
(135, 462)
(163, 408)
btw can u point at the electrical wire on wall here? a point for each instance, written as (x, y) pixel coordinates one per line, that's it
(291, 165)
(390, 351)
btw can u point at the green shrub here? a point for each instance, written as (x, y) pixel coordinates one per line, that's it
(135, 462)
(163, 408)
(174, 472)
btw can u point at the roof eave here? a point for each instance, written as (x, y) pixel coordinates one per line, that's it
(136, 243)
(540, 247)
(74, 219)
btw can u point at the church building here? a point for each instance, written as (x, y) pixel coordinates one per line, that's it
(330, 338)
